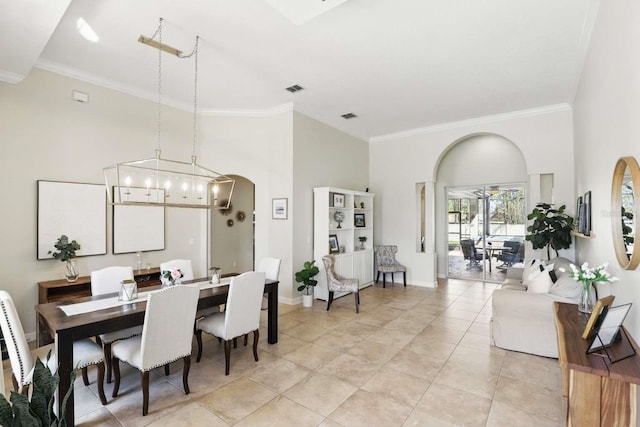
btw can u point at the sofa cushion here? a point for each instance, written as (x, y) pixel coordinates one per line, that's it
(539, 282)
(565, 286)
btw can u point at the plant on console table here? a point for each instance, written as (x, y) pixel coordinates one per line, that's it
(551, 228)
(66, 252)
(588, 276)
(306, 277)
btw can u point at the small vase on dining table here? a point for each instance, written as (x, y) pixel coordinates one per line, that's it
(585, 305)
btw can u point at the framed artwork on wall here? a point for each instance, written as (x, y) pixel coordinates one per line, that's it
(76, 210)
(138, 228)
(279, 208)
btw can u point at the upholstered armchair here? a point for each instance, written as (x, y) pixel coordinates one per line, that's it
(386, 263)
(337, 283)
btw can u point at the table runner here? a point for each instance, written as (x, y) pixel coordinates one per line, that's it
(101, 304)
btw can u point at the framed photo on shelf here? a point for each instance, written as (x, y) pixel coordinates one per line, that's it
(585, 221)
(358, 220)
(338, 200)
(578, 219)
(334, 247)
(279, 208)
(601, 308)
(609, 328)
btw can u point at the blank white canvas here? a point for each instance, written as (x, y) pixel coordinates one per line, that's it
(139, 228)
(76, 210)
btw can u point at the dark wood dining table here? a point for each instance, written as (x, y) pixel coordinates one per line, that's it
(68, 329)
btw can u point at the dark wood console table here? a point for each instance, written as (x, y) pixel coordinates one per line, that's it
(57, 290)
(599, 393)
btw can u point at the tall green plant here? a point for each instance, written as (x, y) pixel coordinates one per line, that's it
(551, 228)
(305, 276)
(38, 411)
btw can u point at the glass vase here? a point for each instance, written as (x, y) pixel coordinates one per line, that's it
(585, 305)
(71, 274)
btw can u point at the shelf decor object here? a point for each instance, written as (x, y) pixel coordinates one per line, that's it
(183, 184)
(358, 220)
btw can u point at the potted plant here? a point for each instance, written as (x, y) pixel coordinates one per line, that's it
(551, 228)
(37, 411)
(305, 276)
(66, 252)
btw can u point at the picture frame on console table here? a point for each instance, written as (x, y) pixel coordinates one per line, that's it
(610, 336)
(600, 310)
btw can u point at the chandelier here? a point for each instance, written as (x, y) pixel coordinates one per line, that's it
(158, 181)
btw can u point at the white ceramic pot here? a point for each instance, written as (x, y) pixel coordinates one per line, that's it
(307, 300)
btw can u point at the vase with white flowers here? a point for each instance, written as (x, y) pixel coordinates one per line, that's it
(171, 277)
(588, 276)
(66, 252)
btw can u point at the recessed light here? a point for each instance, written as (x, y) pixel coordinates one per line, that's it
(348, 116)
(294, 88)
(86, 31)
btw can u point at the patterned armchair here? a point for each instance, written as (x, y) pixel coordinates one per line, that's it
(386, 263)
(337, 283)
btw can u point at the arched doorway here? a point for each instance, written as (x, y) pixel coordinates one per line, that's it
(482, 182)
(232, 231)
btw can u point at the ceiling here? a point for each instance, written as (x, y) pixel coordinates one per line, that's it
(397, 65)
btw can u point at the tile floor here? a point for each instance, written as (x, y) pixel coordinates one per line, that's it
(412, 357)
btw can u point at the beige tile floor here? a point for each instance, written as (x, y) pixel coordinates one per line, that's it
(412, 357)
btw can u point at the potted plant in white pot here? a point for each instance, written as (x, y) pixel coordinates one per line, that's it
(305, 276)
(66, 252)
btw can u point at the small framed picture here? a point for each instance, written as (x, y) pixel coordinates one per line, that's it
(601, 308)
(334, 247)
(338, 200)
(358, 220)
(609, 328)
(279, 208)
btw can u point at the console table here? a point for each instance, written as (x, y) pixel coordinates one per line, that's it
(599, 393)
(55, 290)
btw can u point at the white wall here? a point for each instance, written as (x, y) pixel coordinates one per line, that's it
(323, 157)
(607, 126)
(45, 135)
(398, 162)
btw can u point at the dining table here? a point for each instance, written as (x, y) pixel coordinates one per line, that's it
(72, 320)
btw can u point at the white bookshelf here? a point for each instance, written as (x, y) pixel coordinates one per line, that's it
(358, 222)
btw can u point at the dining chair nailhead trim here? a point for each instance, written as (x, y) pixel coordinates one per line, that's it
(13, 338)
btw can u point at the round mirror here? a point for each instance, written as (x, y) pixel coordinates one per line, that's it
(626, 183)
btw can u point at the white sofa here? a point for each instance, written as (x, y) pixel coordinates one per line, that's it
(525, 321)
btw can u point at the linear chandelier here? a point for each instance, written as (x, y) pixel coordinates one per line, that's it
(162, 182)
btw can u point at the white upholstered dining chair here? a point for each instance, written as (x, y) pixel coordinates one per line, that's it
(85, 352)
(166, 337)
(271, 268)
(105, 281)
(241, 315)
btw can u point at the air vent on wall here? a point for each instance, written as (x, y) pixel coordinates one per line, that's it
(348, 116)
(295, 88)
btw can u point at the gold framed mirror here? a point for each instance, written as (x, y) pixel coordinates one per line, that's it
(625, 188)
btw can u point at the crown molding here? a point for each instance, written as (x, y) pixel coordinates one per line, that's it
(57, 68)
(278, 109)
(472, 122)
(9, 77)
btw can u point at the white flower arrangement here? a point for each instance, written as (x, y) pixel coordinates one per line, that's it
(588, 275)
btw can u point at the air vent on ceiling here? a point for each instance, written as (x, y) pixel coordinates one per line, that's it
(348, 116)
(295, 88)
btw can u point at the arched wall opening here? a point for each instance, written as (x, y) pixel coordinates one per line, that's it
(474, 160)
(232, 231)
